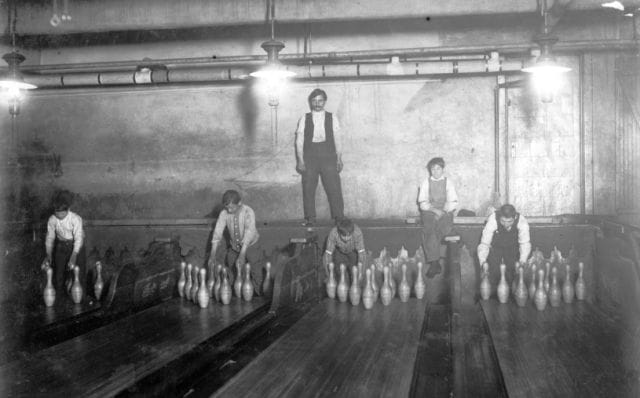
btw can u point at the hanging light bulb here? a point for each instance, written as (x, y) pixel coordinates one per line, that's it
(546, 72)
(273, 73)
(12, 82)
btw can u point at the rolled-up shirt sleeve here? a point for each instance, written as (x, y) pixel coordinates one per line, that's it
(221, 224)
(524, 239)
(359, 241)
(487, 236)
(331, 240)
(300, 138)
(423, 195)
(250, 232)
(337, 135)
(78, 234)
(51, 235)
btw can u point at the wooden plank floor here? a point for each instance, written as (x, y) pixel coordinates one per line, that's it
(574, 350)
(106, 360)
(338, 350)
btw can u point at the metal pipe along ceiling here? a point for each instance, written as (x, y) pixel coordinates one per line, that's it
(226, 74)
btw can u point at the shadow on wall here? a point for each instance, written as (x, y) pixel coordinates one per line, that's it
(248, 109)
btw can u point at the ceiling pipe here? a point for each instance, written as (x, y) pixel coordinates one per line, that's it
(147, 76)
(427, 53)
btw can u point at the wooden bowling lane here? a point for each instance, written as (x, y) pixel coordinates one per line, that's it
(108, 359)
(574, 350)
(339, 350)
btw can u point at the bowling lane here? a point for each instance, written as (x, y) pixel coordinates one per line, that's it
(339, 350)
(574, 350)
(111, 358)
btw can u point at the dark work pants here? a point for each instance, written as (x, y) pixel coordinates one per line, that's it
(61, 255)
(253, 257)
(497, 254)
(433, 230)
(320, 162)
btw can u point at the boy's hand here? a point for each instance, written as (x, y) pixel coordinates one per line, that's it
(45, 263)
(241, 261)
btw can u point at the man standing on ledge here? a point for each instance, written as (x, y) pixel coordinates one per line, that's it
(505, 238)
(319, 153)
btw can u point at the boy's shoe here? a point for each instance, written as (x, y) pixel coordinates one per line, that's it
(434, 269)
(309, 222)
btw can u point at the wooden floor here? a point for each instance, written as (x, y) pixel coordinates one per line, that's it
(108, 359)
(339, 350)
(574, 350)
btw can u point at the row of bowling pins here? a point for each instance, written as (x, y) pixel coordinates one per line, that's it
(73, 285)
(193, 284)
(369, 294)
(541, 292)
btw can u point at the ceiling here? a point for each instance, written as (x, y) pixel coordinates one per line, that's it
(96, 22)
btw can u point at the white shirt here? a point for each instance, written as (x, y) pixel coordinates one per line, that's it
(451, 202)
(69, 228)
(524, 239)
(319, 134)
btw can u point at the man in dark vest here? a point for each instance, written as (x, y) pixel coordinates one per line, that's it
(319, 154)
(505, 238)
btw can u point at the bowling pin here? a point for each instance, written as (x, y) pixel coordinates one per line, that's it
(485, 285)
(237, 285)
(196, 285)
(76, 288)
(360, 272)
(182, 281)
(247, 286)
(374, 284)
(99, 284)
(392, 283)
(225, 288)
(554, 290)
(547, 276)
(385, 290)
(503, 287)
(419, 287)
(331, 283)
(367, 293)
(404, 290)
(49, 293)
(581, 288)
(211, 281)
(203, 290)
(532, 285)
(354, 291)
(187, 285)
(541, 295)
(218, 284)
(567, 288)
(342, 290)
(266, 284)
(521, 290)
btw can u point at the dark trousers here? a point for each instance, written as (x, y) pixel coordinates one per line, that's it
(61, 273)
(497, 254)
(253, 257)
(348, 259)
(320, 162)
(433, 230)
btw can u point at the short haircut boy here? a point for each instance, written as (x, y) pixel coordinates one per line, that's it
(231, 196)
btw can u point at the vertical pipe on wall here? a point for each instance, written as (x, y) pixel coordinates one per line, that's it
(583, 182)
(506, 144)
(496, 137)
